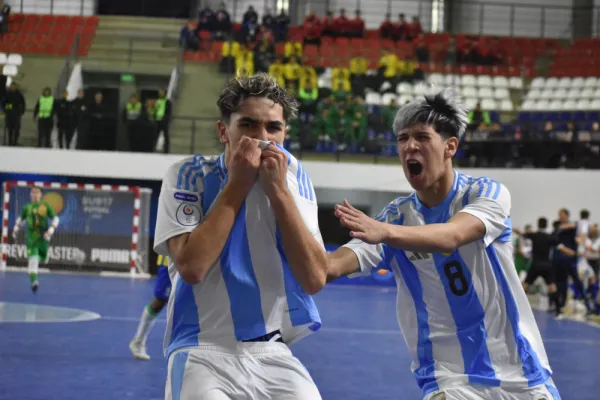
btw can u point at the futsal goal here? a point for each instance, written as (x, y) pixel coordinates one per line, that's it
(102, 228)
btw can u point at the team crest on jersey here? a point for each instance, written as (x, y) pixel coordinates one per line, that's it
(42, 211)
(188, 214)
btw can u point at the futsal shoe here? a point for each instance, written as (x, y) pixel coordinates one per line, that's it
(138, 349)
(34, 286)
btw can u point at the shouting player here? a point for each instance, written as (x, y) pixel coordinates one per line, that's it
(460, 305)
(36, 214)
(242, 235)
(162, 290)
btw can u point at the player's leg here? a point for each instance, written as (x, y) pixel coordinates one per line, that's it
(562, 284)
(473, 392)
(162, 290)
(33, 262)
(545, 391)
(574, 273)
(532, 275)
(549, 277)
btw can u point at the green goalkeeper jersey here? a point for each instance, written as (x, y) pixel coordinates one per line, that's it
(37, 216)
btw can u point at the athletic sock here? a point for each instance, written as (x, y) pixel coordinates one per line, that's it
(145, 325)
(554, 300)
(33, 278)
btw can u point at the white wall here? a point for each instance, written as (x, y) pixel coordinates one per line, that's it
(59, 7)
(528, 19)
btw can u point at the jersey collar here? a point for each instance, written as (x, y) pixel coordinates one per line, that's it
(442, 208)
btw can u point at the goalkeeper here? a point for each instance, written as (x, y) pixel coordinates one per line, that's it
(36, 214)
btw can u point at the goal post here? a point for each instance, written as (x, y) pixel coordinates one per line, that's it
(102, 228)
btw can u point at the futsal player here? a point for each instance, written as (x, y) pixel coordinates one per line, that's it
(542, 245)
(162, 290)
(460, 304)
(246, 254)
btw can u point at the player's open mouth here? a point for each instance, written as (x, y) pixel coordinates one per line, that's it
(414, 167)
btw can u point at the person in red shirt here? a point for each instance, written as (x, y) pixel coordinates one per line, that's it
(357, 25)
(341, 24)
(327, 24)
(415, 28)
(386, 29)
(312, 32)
(401, 28)
(312, 18)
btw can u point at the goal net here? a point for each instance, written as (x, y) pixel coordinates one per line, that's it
(101, 227)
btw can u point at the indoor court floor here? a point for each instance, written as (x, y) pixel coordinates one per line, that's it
(70, 341)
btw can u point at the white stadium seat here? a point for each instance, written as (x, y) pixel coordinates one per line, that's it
(578, 82)
(404, 98)
(534, 94)
(564, 83)
(10, 70)
(3, 58)
(485, 93)
(538, 82)
(404, 88)
(587, 93)
(506, 105)
(470, 103)
(420, 89)
(452, 80)
(469, 91)
(373, 99)
(551, 83)
(324, 82)
(547, 93)
(595, 105)
(583, 105)
(515, 82)
(542, 105)
(528, 105)
(559, 93)
(468, 80)
(591, 81)
(555, 105)
(387, 98)
(437, 79)
(597, 93)
(489, 105)
(484, 81)
(500, 81)
(501, 93)
(574, 93)
(569, 105)
(15, 59)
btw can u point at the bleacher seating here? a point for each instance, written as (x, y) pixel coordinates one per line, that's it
(48, 34)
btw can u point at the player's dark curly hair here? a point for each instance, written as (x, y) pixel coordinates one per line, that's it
(259, 85)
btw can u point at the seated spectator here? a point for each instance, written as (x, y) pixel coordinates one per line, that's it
(451, 53)
(327, 25)
(283, 25)
(410, 71)
(308, 74)
(356, 104)
(231, 49)
(308, 95)
(358, 130)
(188, 39)
(356, 26)
(386, 29)
(479, 119)
(292, 72)
(415, 28)
(388, 67)
(548, 131)
(250, 16)
(340, 82)
(358, 74)
(245, 60)
(401, 29)
(292, 50)
(311, 18)
(269, 21)
(496, 55)
(206, 19)
(312, 33)
(264, 34)
(325, 127)
(421, 51)
(249, 31)
(223, 26)
(264, 55)
(277, 70)
(341, 24)
(292, 88)
(4, 17)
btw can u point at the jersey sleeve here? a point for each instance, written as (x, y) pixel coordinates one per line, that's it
(179, 207)
(24, 213)
(305, 198)
(369, 256)
(490, 202)
(51, 212)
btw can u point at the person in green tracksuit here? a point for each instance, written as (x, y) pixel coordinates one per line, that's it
(358, 130)
(44, 114)
(163, 118)
(41, 222)
(131, 116)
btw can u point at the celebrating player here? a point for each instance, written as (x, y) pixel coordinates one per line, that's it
(246, 252)
(162, 290)
(39, 232)
(461, 307)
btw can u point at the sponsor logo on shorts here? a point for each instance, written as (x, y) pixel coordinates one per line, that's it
(188, 214)
(190, 198)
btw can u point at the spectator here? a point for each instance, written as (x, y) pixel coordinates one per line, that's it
(386, 29)
(14, 108)
(401, 28)
(479, 119)
(292, 88)
(223, 25)
(99, 136)
(340, 82)
(292, 72)
(250, 16)
(415, 28)
(356, 26)
(131, 117)
(163, 118)
(328, 24)
(325, 128)
(43, 113)
(249, 30)
(188, 38)
(308, 96)
(311, 18)
(388, 68)
(148, 125)
(4, 17)
(359, 66)
(224, 13)
(358, 130)
(421, 51)
(312, 33)
(269, 21)
(283, 24)
(80, 109)
(341, 24)
(451, 53)
(292, 50)
(206, 19)
(308, 74)
(65, 121)
(245, 60)
(410, 71)
(277, 70)
(264, 55)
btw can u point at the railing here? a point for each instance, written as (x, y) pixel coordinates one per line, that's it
(57, 7)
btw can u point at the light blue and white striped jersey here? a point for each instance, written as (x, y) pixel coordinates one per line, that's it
(250, 290)
(464, 315)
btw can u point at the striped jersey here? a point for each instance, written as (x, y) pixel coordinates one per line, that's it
(464, 315)
(250, 290)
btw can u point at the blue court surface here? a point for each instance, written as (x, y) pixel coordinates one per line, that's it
(78, 349)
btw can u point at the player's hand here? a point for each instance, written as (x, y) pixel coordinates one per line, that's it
(273, 170)
(244, 163)
(361, 226)
(47, 236)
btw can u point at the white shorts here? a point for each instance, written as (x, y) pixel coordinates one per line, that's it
(546, 391)
(261, 371)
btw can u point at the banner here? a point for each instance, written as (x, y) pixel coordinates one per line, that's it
(95, 228)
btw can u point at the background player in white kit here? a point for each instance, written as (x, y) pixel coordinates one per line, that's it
(461, 307)
(242, 234)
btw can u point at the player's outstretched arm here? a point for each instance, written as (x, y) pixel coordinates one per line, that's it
(342, 262)
(306, 256)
